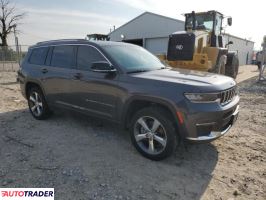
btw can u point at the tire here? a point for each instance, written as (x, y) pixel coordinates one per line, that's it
(232, 65)
(220, 65)
(37, 104)
(155, 144)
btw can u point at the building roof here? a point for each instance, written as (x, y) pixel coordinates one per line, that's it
(145, 13)
(230, 35)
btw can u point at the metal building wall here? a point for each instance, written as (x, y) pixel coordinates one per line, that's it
(242, 46)
(147, 25)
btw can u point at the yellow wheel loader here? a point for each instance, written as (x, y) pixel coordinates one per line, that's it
(201, 46)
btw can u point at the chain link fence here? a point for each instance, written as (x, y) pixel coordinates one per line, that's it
(11, 56)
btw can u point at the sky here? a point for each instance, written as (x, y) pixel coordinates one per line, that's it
(57, 19)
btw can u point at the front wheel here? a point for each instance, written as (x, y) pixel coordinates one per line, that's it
(153, 133)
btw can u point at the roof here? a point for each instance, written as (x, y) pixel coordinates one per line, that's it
(76, 42)
(238, 37)
(209, 11)
(150, 13)
(59, 41)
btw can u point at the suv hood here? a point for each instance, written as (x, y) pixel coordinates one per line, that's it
(189, 77)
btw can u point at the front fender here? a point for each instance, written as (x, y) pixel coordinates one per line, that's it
(150, 100)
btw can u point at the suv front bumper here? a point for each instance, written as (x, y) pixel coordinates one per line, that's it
(216, 134)
(208, 121)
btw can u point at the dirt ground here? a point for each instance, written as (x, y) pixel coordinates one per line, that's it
(84, 158)
(247, 71)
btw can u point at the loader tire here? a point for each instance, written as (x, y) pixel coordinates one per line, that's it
(232, 65)
(220, 65)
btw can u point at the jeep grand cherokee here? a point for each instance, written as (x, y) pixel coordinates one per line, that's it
(128, 85)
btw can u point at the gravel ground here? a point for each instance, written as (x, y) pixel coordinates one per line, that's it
(84, 158)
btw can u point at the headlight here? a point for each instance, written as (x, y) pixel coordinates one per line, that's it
(202, 97)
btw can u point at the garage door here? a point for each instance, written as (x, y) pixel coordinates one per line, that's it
(157, 45)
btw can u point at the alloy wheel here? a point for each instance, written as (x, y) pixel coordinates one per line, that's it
(35, 104)
(150, 135)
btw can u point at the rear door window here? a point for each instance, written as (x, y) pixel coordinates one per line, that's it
(63, 56)
(86, 56)
(38, 55)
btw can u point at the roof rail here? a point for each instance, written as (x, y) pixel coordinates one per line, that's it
(43, 42)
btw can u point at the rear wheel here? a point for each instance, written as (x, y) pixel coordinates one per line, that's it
(37, 104)
(153, 133)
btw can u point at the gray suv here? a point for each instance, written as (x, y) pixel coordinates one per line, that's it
(128, 85)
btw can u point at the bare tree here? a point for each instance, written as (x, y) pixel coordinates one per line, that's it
(9, 20)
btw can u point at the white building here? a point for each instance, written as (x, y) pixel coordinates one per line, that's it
(148, 30)
(151, 31)
(243, 47)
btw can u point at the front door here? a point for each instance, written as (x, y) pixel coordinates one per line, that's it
(93, 92)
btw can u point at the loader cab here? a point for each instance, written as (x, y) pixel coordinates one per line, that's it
(210, 22)
(97, 37)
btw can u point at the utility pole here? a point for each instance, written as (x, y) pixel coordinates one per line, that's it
(16, 43)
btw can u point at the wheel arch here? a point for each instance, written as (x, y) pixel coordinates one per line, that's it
(135, 104)
(29, 84)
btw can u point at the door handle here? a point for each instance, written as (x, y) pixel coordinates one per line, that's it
(44, 70)
(78, 75)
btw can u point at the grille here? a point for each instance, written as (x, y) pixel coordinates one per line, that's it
(227, 95)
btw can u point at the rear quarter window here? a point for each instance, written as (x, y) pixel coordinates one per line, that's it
(38, 55)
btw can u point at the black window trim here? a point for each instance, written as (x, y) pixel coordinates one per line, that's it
(54, 45)
(49, 56)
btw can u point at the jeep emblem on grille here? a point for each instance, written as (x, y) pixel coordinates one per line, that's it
(179, 47)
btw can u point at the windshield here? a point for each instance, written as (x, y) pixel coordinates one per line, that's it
(202, 22)
(133, 58)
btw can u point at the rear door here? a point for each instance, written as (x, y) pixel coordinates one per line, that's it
(36, 65)
(93, 92)
(60, 64)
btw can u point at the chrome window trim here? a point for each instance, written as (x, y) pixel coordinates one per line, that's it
(54, 45)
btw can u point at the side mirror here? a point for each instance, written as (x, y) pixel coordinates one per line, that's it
(102, 67)
(229, 21)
